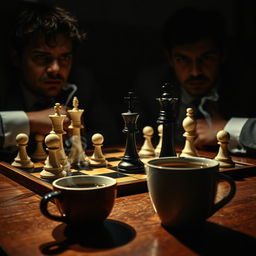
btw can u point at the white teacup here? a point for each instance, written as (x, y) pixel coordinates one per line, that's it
(183, 189)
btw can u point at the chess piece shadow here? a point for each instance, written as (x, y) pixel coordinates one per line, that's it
(111, 234)
(209, 238)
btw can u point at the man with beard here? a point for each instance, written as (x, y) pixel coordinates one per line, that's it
(42, 41)
(194, 40)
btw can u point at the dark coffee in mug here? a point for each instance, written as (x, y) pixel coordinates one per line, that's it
(85, 185)
(182, 164)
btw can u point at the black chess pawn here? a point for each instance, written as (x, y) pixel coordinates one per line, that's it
(130, 162)
(167, 119)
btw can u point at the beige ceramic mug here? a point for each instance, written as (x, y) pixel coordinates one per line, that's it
(81, 200)
(183, 190)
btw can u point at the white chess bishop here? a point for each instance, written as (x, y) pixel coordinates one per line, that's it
(189, 125)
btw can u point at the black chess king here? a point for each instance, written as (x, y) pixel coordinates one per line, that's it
(130, 162)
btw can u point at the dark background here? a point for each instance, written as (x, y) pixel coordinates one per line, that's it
(123, 52)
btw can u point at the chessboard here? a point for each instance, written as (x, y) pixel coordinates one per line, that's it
(126, 183)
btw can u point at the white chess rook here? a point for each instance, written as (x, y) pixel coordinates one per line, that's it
(77, 155)
(98, 159)
(52, 168)
(147, 148)
(223, 156)
(22, 160)
(189, 125)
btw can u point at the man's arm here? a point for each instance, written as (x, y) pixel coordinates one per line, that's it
(12, 123)
(40, 123)
(248, 135)
(15, 122)
(206, 134)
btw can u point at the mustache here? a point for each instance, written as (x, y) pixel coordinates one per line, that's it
(52, 77)
(196, 78)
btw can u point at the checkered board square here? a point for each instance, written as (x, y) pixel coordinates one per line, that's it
(113, 157)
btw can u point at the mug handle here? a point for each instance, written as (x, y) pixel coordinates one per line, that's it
(228, 196)
(44, 206)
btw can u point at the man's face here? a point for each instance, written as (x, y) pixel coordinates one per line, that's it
(46, 69)
(196, 66)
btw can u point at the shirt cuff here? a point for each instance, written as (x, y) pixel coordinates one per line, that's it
(14, 122)
(234, 127)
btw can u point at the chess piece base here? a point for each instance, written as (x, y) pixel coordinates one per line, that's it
(225, 163)
(81, 165)
(131, 166)
(98, 163)
(144, 152)
(52, 176)
(23, 164)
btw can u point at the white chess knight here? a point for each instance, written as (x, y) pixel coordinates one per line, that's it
(77, 154)
(52, 168)
(223, 156)
(189, 125)
(22, 160)
(147, 148)
(57, 128)
(98, 159)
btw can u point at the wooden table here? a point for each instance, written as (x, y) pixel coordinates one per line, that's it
(133, 228)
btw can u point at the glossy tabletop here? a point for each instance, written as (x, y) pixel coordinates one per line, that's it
(133, 228)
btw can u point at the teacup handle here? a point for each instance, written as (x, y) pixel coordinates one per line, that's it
(44, 206)
(228, 196)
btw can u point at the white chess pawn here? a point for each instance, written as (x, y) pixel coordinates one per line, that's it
(223, 156)
(52, 168)
(159, 145)
(147, 148)
(189, 125)
(22, 160)
(39, 155)
(98, 159)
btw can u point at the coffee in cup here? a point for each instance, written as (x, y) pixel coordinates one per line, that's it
(183, 190)
(81, 200)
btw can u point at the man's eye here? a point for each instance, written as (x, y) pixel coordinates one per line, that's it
(209, 57)
(42, 58)
(180, 59)
(65, 57)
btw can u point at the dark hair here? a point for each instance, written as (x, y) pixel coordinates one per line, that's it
(189, 25)
(33, 19)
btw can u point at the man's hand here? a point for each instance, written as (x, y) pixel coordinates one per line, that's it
(40, 123)
(206, 135)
